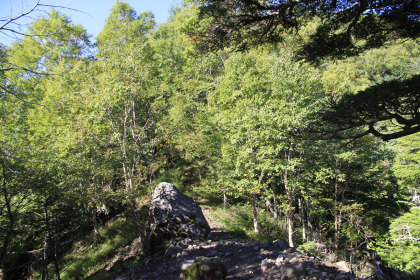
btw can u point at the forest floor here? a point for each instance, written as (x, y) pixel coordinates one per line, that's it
(244, 259)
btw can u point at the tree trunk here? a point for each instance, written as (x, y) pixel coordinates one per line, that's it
(290, 227)
(272, 206)
(224, 199)
(303, 218)
(255, 214)
(46, 245)
(10, 228)
(57, 267)
(289, 187)
(276, 210)
(131, 198)
(93, 213)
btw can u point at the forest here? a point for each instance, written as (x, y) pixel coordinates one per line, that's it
(294, 120)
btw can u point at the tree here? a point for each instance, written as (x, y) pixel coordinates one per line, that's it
(345, 28)
(186, 128)
(257, 99)
(246, 23)
(375, 92)
(388, 111)
(406, 166)
(125, 99)
(34, 137)
(353, 194)
(48, 33)
(401, 247)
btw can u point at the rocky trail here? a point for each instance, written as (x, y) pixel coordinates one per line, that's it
(244, 259)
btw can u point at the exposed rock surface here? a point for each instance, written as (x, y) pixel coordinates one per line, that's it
(173, 214)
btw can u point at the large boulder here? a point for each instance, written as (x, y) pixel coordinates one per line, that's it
(173, 214)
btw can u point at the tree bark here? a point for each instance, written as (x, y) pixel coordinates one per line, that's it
(290, 228)
(303, 218)
(93, 213)
(255, 214)
(10, 228)
(46, 244)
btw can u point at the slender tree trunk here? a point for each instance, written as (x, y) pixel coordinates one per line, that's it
(255, 214)
(57, 267)
(276, 210)
(337, 212)
(290, 197)
(93, 213)
(272, 206)
(290, 227)
(224, 199)
(303, 218)
(338, 221)
(46, 244)
(131, 198)
(10, 228)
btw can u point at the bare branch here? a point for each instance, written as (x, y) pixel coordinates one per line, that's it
(12, 19)
(19, 98)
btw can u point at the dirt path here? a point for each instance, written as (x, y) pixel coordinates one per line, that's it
(244, 259)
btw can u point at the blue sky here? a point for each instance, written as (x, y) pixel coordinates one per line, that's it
(93, 15)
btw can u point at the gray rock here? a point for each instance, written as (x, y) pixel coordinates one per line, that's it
(324, 274)
(314, 273)
(266, 265)
(293, 270)
(172, 269)
(173, 214)
(212, 269)
(280, 244)
(205, 269)
(186, 264)
(172, 250)
(213, 253)
(342, 266)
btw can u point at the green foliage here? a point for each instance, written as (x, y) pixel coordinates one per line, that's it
(238, 219)
(372, 93)
(148, 108)
(407, 163)
(401, 247)
(396, 60)
(346, 27)
(89, 257)
(55, 41)
(124, 26)
(311, 248)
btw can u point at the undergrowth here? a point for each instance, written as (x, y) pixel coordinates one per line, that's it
(97, 254)
(94, 258)
(238, 219)
(91, 256)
